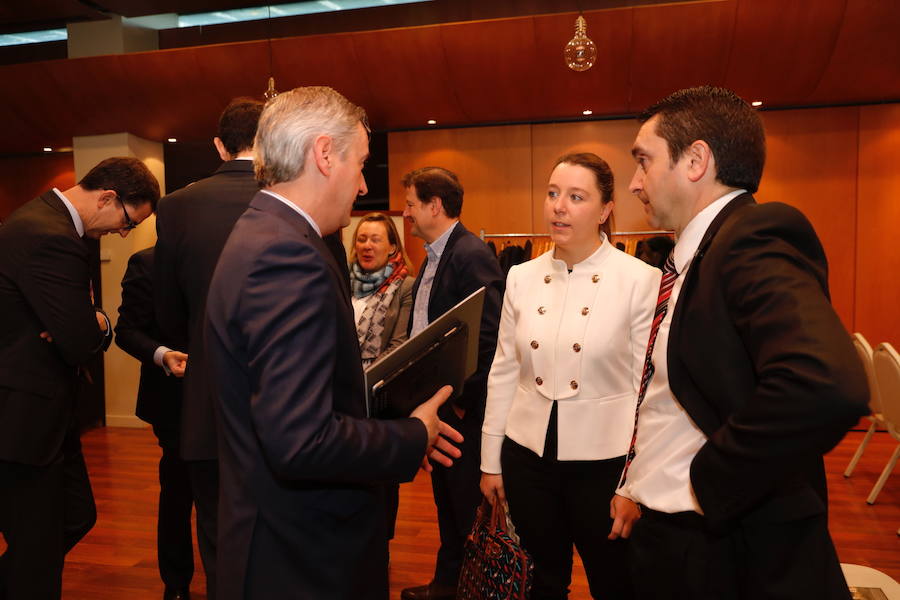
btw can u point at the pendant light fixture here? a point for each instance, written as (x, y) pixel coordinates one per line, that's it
(580, 52)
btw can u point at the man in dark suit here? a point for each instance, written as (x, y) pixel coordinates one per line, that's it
(301, 465)
(458, 263)
(755, 376)
(159, 403)
(192, 225)
(49, 329)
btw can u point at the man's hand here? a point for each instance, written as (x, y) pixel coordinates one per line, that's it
(492, 487)
(101, 321)
(45, 335)
(176, 362)
(624, 513)
(439, 447)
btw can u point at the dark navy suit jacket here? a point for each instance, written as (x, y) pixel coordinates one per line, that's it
(300, 511)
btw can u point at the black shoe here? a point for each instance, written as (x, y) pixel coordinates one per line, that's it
(432, 591)
(176, 594)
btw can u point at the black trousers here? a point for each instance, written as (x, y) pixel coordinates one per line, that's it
(204, 476)
(676, 557)
(44, 512)
(457, 494)
(557, 504)
(174, 544)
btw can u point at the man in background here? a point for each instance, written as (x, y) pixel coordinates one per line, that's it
(192, 225)
(457, 264)
(159, 403)
(49, 329)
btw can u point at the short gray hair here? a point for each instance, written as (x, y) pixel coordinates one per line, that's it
(291, 122)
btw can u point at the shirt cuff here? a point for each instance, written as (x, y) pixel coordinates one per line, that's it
(108, 331)
(158, 358)
(490, 453)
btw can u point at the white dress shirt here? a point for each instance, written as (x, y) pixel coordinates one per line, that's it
(578, 339)
(295, 208)
(434, 250)
(659, 476)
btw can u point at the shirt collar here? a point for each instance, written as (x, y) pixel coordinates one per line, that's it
(689, 240)
(76, 218)
(437, 246)
(296, 209)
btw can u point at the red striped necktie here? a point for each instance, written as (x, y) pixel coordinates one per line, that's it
(662, 307)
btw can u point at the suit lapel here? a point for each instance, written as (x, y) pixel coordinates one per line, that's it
(458, 232)
(702, 413)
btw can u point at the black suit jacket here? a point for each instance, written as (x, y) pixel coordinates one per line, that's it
(762, 364)
(299, 511)
(44, 286)
(159, 396)
(192, 225)
(466, 265)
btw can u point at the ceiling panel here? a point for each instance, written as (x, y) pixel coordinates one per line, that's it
(475, 72)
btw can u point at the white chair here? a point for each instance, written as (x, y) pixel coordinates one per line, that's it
(887, 372)
(865, 355)
(858, 576)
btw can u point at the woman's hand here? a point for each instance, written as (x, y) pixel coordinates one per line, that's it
(624, 513)
(492, 487)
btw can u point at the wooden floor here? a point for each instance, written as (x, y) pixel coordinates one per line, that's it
(118, 557)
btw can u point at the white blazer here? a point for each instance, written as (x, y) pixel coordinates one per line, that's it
(578, 338)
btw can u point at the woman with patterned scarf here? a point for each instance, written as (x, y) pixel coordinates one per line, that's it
(381, 286)
(382, 302)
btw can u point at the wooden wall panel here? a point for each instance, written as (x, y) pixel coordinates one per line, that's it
(493, 164)
(611, 140)
(878, 255)
(811, 164)
(25, 177)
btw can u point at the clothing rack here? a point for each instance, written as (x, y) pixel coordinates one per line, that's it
(483, 235)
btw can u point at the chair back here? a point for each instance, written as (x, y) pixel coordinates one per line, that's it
(887, 372)
(865, 355)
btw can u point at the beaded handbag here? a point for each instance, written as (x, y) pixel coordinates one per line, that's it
(495, 565)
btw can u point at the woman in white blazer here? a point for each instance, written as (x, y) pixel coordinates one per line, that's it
(564, 382)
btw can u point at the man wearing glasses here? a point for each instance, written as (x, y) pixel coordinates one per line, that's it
(49, 328)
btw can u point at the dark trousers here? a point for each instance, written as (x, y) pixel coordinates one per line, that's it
(457, 495)
(44, 512)
(174, 545)
(675, 557)
(204, 476)
(557, 504)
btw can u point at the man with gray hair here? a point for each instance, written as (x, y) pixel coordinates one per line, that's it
(300, 464)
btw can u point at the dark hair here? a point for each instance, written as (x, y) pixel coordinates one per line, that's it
(730, 126)
(237, 125)
(435, 181)
(392, 234)
(603, 177)
(128, 177)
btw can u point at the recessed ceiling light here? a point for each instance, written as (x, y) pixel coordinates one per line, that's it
(432, 122)
(173, 140)
(756, 103)
(48, 149)
(587, 112)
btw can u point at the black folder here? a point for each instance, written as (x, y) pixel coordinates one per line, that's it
(444, 353)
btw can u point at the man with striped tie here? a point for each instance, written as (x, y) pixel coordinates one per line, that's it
(750, 376)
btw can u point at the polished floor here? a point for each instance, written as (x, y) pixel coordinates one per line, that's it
(118, 558)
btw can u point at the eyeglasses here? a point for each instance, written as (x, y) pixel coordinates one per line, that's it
(129, 224)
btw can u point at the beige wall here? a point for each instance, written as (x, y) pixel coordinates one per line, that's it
(837, 165)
